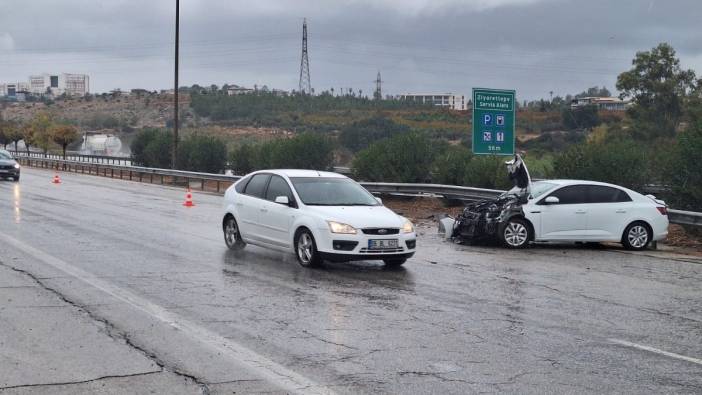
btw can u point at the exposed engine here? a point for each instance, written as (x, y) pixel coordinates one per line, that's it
(482, 219)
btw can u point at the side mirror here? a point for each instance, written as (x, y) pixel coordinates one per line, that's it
(552, 200)
(282, 200)
(379, 200)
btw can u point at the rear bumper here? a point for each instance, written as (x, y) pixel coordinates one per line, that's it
(339, 257)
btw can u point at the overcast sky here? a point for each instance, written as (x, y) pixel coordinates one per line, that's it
(533, 46)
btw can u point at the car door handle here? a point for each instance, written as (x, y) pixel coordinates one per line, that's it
(621, 211)
(581, 212)
(264, 210)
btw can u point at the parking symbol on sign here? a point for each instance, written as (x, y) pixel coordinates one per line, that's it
(500, 137)
(487, 119)
(487, 136)
(500, 120)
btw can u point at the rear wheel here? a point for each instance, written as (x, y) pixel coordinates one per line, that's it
(516, 233)
(232, 236)
(637, 236)
(394, 262)
(306, 249)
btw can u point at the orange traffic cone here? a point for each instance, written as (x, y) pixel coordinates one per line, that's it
(57, 179)
(188, 199)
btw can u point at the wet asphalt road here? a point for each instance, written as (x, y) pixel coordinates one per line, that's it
(143, 295)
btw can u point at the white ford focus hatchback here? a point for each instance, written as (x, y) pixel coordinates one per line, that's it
(317, 215)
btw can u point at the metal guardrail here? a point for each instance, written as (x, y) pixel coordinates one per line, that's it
(681, 217)
(207, 181)
(219, 182)
(446, 191)
(112, 160)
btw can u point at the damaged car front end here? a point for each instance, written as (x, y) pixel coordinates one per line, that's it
(501, 218)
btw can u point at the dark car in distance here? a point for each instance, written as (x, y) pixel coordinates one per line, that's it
(9, 168)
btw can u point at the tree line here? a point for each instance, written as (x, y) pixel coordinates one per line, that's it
(43, 131)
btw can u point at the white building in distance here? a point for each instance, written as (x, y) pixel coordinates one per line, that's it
(602, 103)
(11, 89)
(448, 100)
(70, 84)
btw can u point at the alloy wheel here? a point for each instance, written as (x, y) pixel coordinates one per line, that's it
(305, 248)
(515, 234)
(638, 236)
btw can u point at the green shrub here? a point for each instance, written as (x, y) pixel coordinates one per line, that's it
(451, 165)
(152, 148)
(202, 153)
(683, 172)
(405, 157)
(304, 151)
(361, 134)
(617, 161)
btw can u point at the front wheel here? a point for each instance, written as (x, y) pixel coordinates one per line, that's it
(306, 249)
(232, 235)
(516, 233)
(636, 237)
(15, 178)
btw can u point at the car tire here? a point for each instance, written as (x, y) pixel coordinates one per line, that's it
(516, 233)
(306, 249)
(232, 235)
(637, 236)
(15, 178)
(394, 262)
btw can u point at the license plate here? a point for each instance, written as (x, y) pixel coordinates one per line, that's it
(384, 244)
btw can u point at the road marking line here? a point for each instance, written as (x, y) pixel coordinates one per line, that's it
(273, 372)
(657, 351)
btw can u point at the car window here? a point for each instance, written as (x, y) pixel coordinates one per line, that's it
(257, 186)
(328, 191)
(538, 188)
(278, 187)
(604, 194)
(241, 185)
(572, 194)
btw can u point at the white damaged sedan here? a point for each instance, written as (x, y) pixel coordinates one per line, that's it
(317, 215)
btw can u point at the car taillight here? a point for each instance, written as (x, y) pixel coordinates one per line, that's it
(662, 209)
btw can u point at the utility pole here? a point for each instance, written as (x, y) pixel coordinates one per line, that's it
(305, 85)
(174, 155)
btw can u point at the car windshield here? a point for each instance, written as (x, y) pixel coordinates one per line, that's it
(327, 191)
(538, 188)
(5, 155)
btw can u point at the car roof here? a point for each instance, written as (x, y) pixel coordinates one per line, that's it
(302, 173)
(562, 182)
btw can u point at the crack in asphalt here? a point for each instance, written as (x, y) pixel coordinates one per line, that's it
(113, 332)
(82, 381)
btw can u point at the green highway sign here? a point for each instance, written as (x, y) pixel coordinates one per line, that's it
(493, 121)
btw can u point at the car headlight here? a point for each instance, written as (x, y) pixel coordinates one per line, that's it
(17, 166)
(337, 227)
(407, 227)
